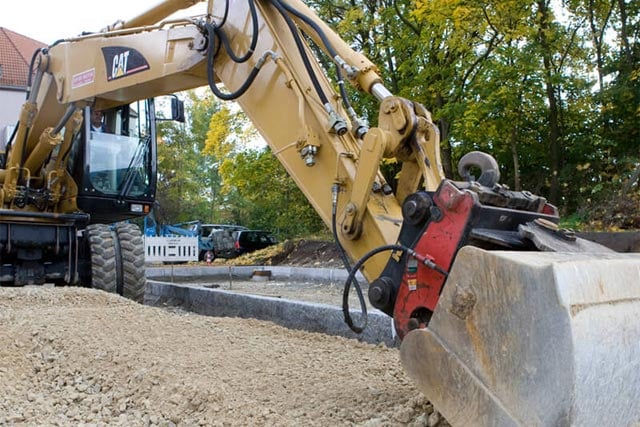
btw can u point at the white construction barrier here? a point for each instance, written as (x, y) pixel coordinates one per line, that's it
(170, 249)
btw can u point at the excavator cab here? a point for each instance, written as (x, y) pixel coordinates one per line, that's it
(68, 195)
(114, 162)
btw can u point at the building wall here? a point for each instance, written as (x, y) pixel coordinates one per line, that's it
(10, 103)
(16, 51)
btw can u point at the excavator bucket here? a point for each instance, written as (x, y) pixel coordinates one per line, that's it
(533, 338)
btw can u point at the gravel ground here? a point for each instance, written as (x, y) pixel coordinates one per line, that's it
(73, 356)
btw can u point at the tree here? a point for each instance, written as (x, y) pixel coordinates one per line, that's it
(260, 194)
(550, 89)
(510, 78)
(188, 180)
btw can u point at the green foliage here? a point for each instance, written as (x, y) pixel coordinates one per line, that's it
(207, 173)
(551, 89)
(575, 221)
(188, 182)
(261, 195)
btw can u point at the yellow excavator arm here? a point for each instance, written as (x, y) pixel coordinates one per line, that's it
(324, 145)
(494, 331)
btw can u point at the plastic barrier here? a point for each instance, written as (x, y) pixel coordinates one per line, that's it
(170, 249)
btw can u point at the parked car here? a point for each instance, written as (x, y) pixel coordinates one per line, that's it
(222, 238)
(207, 229)
(252, 240)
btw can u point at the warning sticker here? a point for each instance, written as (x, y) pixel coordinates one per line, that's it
(84, 78)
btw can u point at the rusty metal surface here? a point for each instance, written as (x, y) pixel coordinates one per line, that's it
(551, 339)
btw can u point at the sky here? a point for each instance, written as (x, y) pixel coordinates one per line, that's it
(50, 20)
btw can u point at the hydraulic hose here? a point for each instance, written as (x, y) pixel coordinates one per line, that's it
(327, 44)
(216, 30)
(254, 36)
(211, 34)
(31, 66)
(312, 24)
(303, 54)
(226, 14)
(347, 266)
(351, 278)
(352, 270)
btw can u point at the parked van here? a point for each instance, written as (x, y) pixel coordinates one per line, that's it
(252, 240)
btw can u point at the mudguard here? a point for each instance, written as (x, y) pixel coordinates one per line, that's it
(533, 338)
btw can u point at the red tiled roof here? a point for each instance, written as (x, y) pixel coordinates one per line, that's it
(16, 51)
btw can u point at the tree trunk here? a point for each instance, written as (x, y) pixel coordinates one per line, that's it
(513, 138)
(554, 128)
(446, 155)
(624, 34)
(597, 36)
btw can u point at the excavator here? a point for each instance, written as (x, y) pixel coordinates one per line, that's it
(504, 317)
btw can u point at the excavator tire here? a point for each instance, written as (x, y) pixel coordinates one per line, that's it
(132, 261)
(103, 257)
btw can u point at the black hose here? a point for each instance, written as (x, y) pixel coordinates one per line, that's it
(31, 65)
(351, 278)
(254, 37)
(327, 44)
(211, 34)
(226, 14)
(312, 24)
(343, 89)
(212, 50)
(7, 148)
(28, 93)
(335, 190)
(214, 31)
(303, 53)
(347, 266)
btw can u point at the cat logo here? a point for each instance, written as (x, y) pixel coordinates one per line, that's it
(123, 61)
